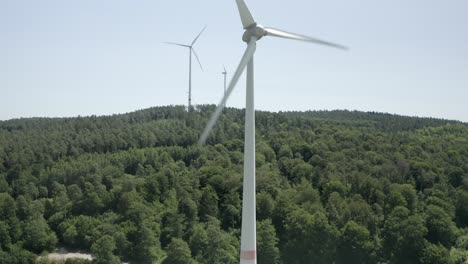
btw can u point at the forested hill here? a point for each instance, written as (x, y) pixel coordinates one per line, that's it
(332, 187)
(167, 126)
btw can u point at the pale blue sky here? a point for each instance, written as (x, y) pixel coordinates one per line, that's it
(68, 58)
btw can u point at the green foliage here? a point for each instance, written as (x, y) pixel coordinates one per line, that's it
(7, 207)
(79, 231)
(403, 236)
(462, 208)
(435, 254)
(37, 236)
(222, 247)
(178, 252)
(208, 203)
(17, 255)
(332, 187)
(310, 238)
(441, 228)
(146, 245)
(198, 241)
(103, 251)
(459, 253)
(267, 243)
(355, 245)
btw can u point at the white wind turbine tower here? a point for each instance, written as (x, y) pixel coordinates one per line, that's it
(253, 32)
(191, 50)
(225, 76)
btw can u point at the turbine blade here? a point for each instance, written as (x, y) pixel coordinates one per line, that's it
(196, 56)
(288, 35)
(248, 54)
(224, 68)
(244, 12)
(178, 44)
(199, 34)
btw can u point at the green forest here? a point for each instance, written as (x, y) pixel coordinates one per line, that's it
(332, 187)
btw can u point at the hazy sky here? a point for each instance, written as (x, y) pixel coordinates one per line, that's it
(82, 57)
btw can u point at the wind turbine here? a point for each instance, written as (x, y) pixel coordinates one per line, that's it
(191, 49)
(253, 33)
(225, 75)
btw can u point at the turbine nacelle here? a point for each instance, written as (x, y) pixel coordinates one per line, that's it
(254, 30)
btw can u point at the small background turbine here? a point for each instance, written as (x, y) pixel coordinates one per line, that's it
(225, 76)
(191, 50)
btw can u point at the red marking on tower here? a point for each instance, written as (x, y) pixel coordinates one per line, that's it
(248, 254)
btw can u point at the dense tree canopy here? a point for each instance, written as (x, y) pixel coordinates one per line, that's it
(332, 187)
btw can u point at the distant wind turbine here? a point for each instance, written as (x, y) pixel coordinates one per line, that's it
(253, 33)
(191, 49)
(225, 76)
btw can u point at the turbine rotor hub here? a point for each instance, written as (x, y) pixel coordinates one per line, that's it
(253, 30)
